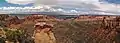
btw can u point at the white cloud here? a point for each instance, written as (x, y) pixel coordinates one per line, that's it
(108, 7)
(93, 5)
(21, 2)
(86, 4)
(45, 2)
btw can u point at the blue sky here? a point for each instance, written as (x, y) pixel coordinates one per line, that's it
(13, 5)
(113, 1)
(4, 3)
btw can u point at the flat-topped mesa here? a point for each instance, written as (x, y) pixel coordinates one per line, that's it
(39, 17)
(93, 18)
(34, 17)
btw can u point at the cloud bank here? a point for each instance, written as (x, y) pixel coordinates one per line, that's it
(98, 5)
(86, 6)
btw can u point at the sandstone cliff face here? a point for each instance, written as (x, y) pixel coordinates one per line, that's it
(12, 21)
(3, 17)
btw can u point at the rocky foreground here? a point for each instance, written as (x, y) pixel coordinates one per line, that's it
(83, 29)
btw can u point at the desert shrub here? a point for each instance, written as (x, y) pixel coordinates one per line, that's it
(13, 34)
